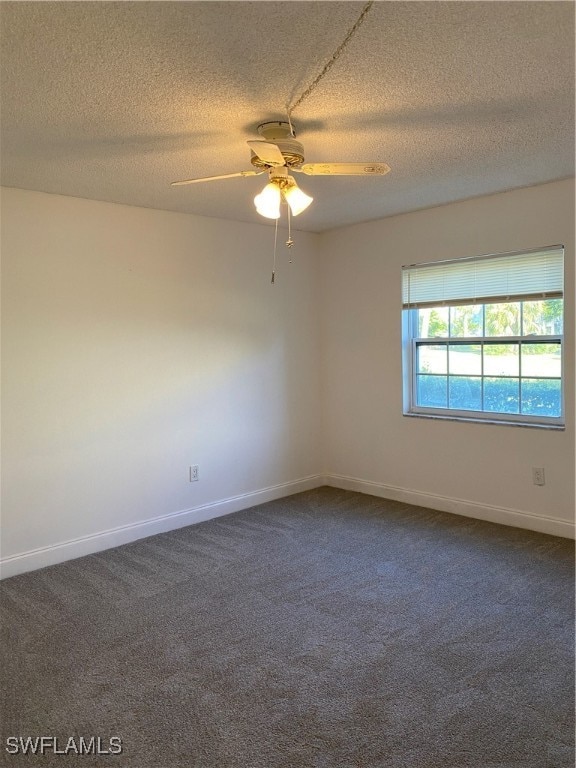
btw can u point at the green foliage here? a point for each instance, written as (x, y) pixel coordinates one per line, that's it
(502, 319)
(434, 322)
(543, 317)
(540, 397)
(466, 320)
(539, 318)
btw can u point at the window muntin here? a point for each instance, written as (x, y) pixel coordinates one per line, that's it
(494, 360)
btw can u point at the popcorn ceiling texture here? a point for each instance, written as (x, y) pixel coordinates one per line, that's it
(113, 101)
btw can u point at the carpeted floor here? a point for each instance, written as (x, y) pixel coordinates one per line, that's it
(325, 630)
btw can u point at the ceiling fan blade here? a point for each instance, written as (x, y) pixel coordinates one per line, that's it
(215, 178)
(268, 153)
(344, 169)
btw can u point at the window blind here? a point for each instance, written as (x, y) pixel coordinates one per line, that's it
(536, 274)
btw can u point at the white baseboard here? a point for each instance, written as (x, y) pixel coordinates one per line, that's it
(114, 537)
(502, 515)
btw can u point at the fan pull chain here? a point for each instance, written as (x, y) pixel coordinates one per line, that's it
(289, 242)
(274, 263)
(330, 63)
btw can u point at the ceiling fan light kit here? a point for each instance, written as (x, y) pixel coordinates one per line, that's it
(281, 187)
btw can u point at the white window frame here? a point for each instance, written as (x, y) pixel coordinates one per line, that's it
(411, 341)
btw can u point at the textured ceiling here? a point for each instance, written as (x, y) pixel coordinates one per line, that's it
(114, 100)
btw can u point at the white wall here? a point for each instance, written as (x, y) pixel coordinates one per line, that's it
(476, 469)
(136, 343)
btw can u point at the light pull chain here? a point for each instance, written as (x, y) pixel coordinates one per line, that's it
(289, 242)
(274, 262)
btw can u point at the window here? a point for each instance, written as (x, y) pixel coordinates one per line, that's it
(483, 338)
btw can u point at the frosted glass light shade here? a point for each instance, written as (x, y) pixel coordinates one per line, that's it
(297, 200)
(268, 201)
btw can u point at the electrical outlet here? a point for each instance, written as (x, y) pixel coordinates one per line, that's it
(193, 476)
(538, 477)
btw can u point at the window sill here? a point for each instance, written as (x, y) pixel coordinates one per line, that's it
(499, 422)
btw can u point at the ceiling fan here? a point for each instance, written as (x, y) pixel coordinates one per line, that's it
(277, 153)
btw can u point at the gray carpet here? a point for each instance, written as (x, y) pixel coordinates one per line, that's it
(326, 630)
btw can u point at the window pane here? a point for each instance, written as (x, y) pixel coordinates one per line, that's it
(485, 338)
(501, 395)
(541, 397)
(465, 359)
(543, 318)
(432, 358)
(433, 322)
(502, 319)
(465, 393)
(432, 391)
(466, 321)
(541, 360)
(501, 360)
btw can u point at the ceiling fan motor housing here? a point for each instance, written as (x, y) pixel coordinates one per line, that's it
(279, 133)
